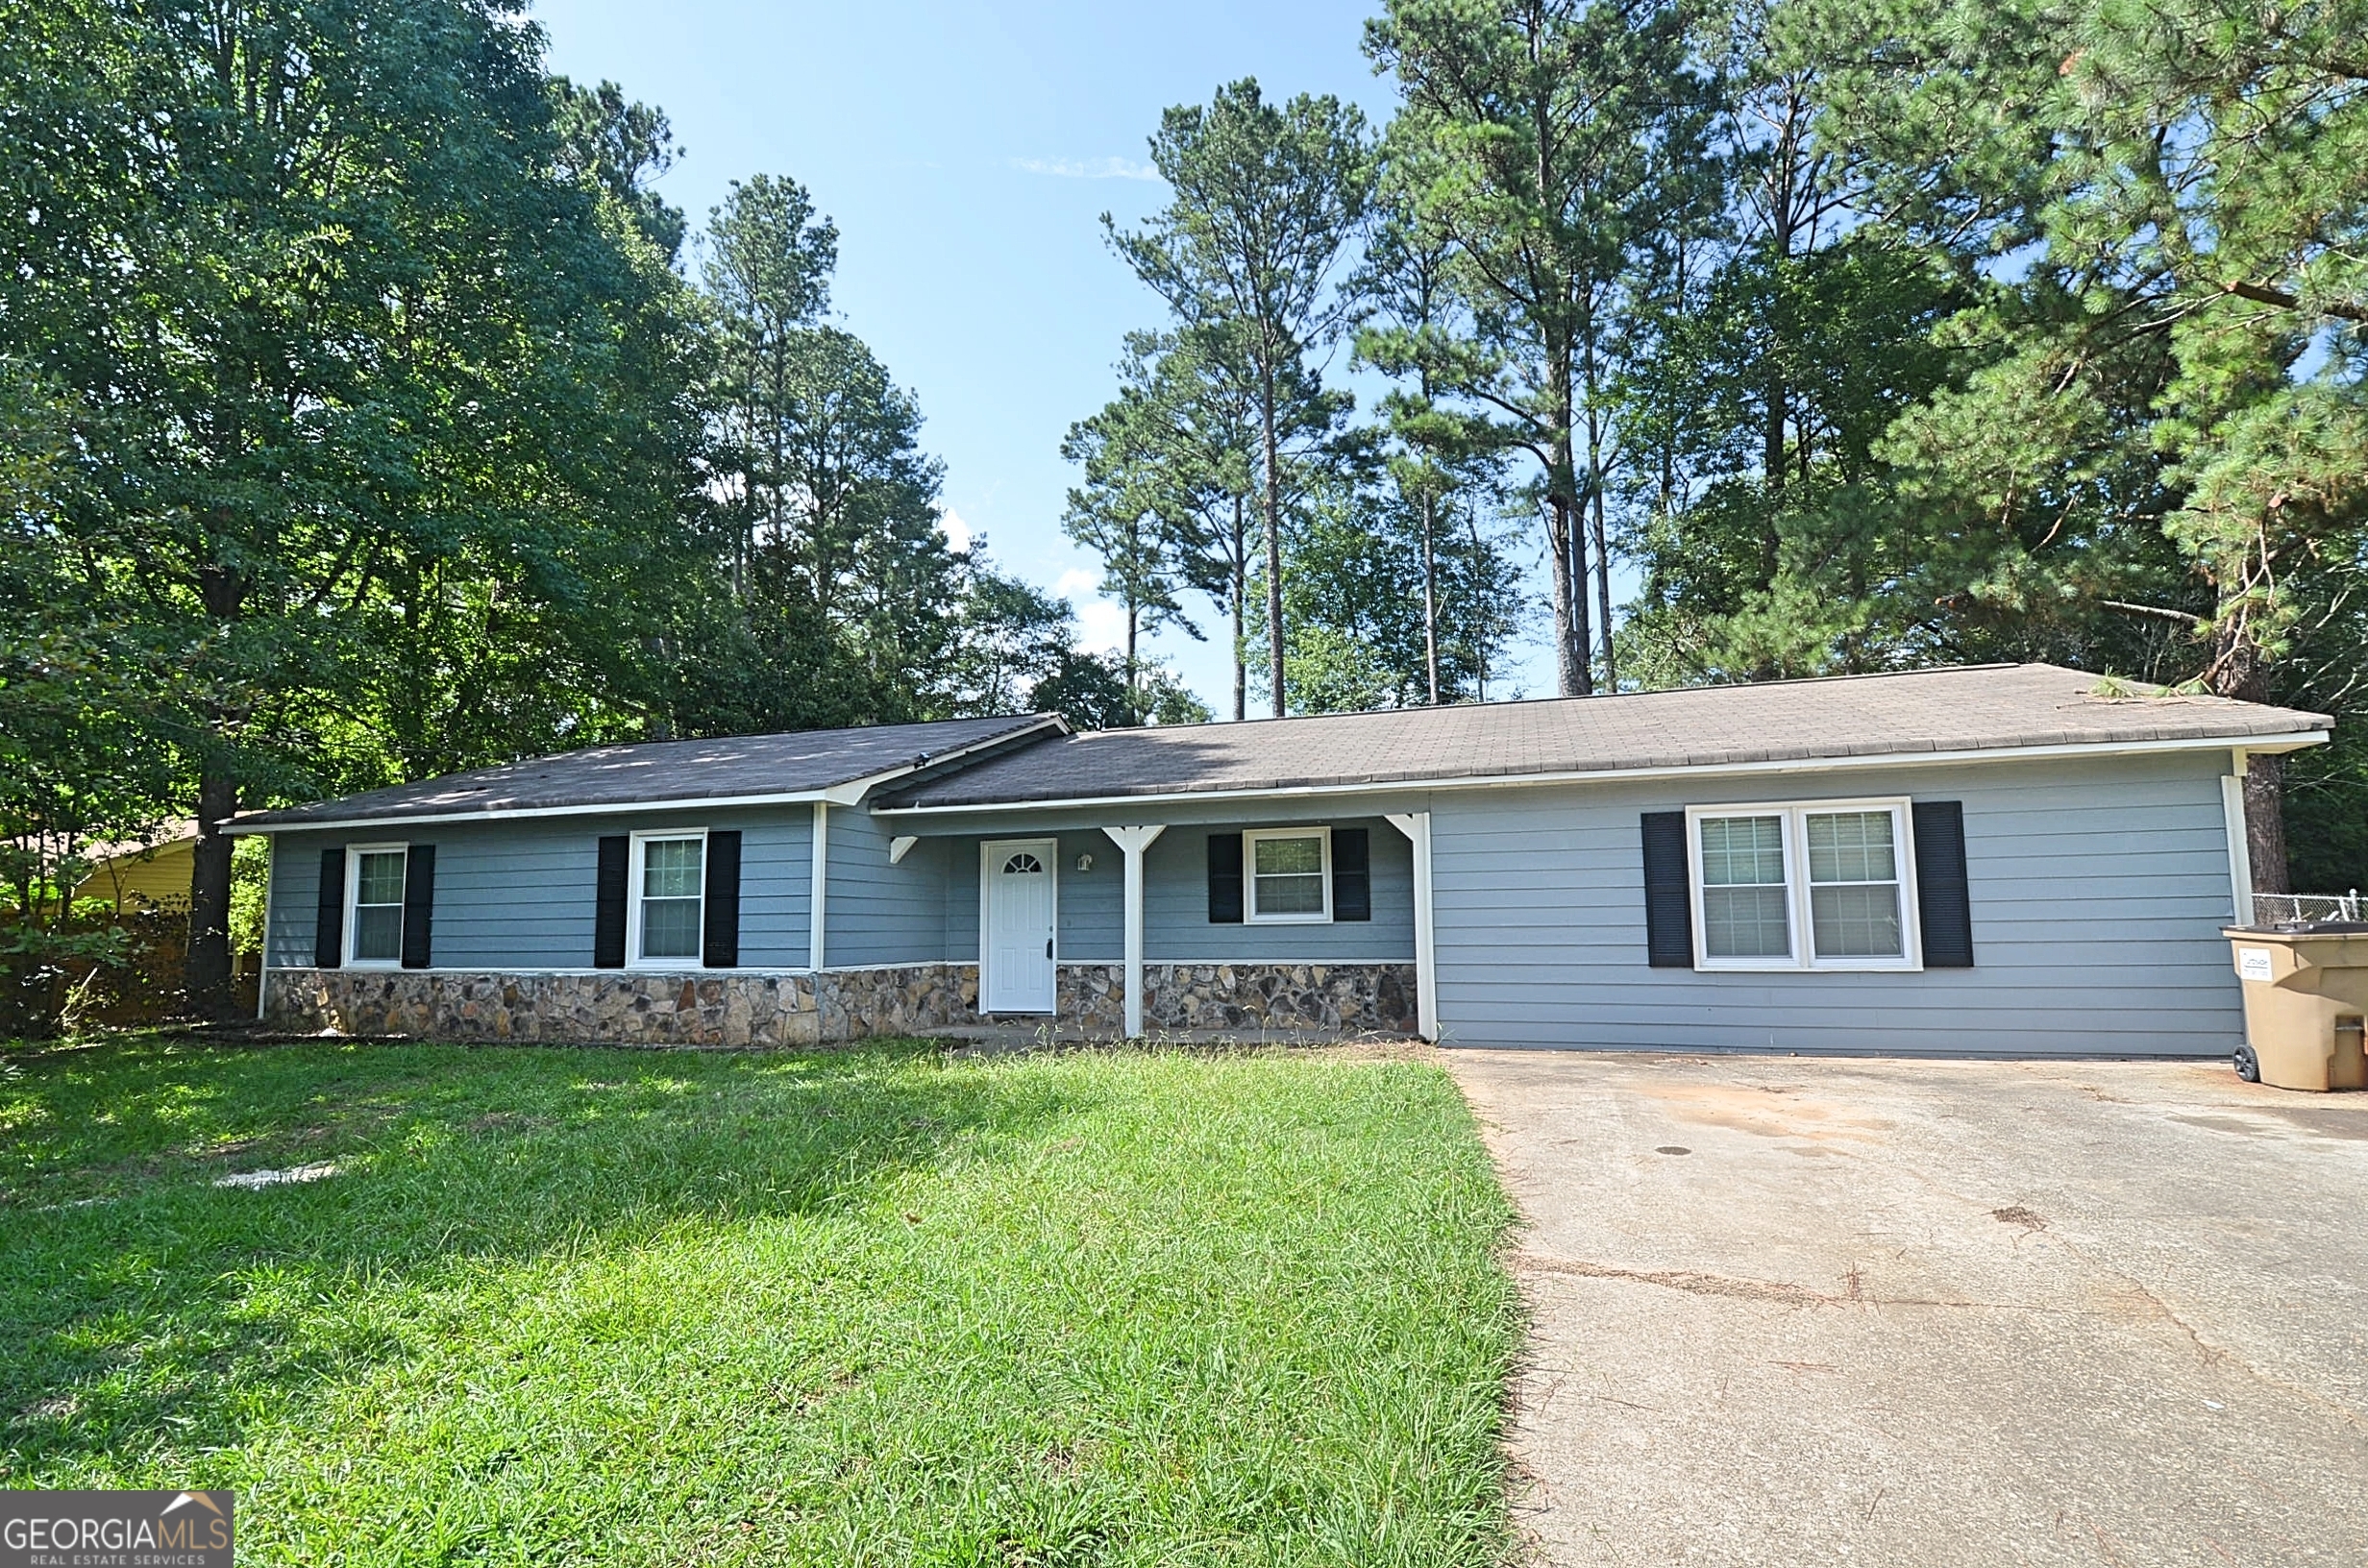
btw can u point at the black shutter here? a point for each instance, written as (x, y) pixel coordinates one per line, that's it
(418, 904)
(719, 942)
(1224, 879)
(1668, 898)
(608, 903)
(1944, 901)
(1352, 880)
(329, 929)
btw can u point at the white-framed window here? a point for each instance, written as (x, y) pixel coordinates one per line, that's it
(374, 878)
(1286, 875)
(666, 904)
(1804, 885)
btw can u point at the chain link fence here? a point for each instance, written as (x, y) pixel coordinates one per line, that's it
(2304, 908)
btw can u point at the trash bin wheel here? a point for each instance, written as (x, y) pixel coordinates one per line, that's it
(2248, 1064)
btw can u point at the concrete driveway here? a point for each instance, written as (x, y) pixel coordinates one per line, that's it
(1811, 1311)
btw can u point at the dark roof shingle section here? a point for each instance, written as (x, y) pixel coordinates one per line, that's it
(653, 772)
(1961, 709)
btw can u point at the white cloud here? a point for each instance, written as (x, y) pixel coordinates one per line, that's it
(1102, 622)
(1101, 627)
(957, 532)
(1086, 168)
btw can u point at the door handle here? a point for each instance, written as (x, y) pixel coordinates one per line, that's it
(1048, 946)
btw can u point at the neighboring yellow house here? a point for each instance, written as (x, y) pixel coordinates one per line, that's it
(154, 876)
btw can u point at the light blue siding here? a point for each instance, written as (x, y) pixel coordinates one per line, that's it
(878, 914)
(512, 897)
(294, 901)
(519, 896)
(1176, 928)
(1176, 902)
(1091, 905)
(2098, 889)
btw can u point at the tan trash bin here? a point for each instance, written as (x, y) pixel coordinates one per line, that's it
(2305, 994)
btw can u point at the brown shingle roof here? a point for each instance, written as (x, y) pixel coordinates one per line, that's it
(1969, 708)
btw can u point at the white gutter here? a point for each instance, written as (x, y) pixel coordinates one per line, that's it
(817, 917)
(2289, 740)
(845, 794)
(2240, 835)
(263, 965)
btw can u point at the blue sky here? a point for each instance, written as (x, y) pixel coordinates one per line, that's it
(966, 152)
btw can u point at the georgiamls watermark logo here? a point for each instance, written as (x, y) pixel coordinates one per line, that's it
(115, 1530)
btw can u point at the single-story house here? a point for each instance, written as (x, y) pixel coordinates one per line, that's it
(2001, 858)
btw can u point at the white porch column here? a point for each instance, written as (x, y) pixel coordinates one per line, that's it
(1416, 826)
(815, 910)
(1133, 841)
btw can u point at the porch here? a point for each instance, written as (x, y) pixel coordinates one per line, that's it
(1305, 924)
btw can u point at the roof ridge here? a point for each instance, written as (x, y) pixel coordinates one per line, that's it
(1601, 697)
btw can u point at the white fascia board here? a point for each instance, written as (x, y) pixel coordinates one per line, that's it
(850, 793)
(2290, 741)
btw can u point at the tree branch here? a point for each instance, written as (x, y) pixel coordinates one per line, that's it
(2156, 609)
(2263, 294)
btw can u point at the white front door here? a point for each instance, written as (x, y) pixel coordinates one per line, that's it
(1018, 940)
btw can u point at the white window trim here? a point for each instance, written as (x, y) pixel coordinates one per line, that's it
(636, 863)
(1801, 930)
(353, 901)
(1250, 840)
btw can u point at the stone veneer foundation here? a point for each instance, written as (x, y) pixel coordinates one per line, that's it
(705, 1007)
(723, 1007)
(1251, 998)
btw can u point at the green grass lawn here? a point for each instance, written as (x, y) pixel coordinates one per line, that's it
(861, 1307)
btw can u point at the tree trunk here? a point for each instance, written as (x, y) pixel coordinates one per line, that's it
(1274, 545)
(209, 964)
(1576, 640)
(208, 972)
(2265, 824)
(1779, 397)
(1603, 595)
(1773, 466)
(1430, 597)
(1571, 671)
(1558, 578)
(1241, 594)
(1603, 577)
(1134, 691)
(1595, 501)
(1480, 637)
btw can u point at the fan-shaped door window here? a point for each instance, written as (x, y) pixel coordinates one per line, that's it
(1024, 864)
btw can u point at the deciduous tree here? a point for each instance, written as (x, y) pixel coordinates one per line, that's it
(328, 320)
